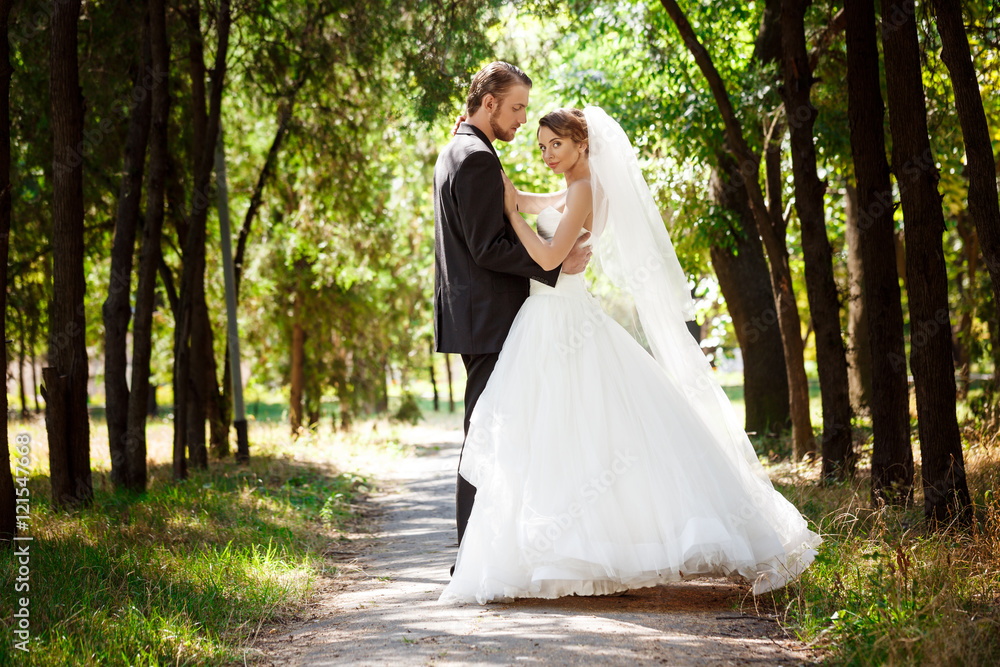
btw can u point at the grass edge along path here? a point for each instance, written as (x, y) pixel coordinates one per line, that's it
(188, 573)
(886, 588)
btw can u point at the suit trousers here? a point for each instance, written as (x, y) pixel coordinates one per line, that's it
(478, 368)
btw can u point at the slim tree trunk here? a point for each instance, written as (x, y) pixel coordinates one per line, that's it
(149, 262)
(434, 384)
(201, 372)
(266, 173)
(831, 360)
(69, 432)
(859, 354)
(20, 324)
(943, 470)
(765, 378)
(451, 385)
(33, 340)
(117, 309)
(892, 456)
(746, 285)
(981, 167)
(803, 442)
(775, 210)
(190, 344)
(297, 367)
(8, 518)
(967, 297)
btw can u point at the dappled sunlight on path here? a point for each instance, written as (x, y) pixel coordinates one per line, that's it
(382, 607)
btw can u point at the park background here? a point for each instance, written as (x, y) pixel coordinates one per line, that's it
(328, 117)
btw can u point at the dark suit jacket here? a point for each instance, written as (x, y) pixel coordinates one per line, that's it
(481, 270)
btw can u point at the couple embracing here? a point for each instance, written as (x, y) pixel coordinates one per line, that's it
(589, 467)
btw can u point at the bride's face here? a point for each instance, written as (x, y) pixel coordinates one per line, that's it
(560, 153)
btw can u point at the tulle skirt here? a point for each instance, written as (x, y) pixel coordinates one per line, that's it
(595, 474)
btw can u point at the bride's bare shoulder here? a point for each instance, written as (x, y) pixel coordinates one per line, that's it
(580, 193)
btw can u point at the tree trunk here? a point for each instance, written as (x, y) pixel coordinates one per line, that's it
(943, 470)
(149, 262)
(382, 383)
(5, 183)
(859, 354)
(117, 309)
(32, 342)
(69, 435)
(981, 167)
(831, 360)
(191, 336)
(746, 286)
(201, 374)
(266, 173)
(892, 456)
(803, 442)
(451, 385)
(767, 46)
(787, 310)
(8, 518)
(434, 384)
(967, 298)
(297, 367)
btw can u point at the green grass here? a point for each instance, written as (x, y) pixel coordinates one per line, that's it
(887, 589)
(187, 573)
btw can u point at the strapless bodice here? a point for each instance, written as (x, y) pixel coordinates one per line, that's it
(566, 285)
(547, 222)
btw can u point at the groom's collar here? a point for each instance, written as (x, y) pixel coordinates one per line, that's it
(467, 128)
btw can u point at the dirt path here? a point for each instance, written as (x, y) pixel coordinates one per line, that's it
(381, 608)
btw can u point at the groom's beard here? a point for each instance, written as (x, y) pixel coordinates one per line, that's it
(501, 133)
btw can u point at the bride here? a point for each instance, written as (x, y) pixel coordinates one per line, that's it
(599, 468)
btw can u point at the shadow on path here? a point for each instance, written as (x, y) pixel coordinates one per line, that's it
(382, 607)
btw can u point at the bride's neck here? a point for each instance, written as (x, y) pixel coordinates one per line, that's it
(580, 171)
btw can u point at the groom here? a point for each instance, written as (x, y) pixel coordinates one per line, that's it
(481, 270)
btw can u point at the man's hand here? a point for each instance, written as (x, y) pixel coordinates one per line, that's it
(578, 258)
(458, 121)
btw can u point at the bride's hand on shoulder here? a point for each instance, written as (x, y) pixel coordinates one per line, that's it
(509, 196)
(458, 121)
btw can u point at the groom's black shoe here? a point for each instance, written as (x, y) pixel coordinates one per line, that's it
(452, 571)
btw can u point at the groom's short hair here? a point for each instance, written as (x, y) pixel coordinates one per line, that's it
(495, 79)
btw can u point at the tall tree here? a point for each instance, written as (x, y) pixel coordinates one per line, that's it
(789, 322)
(8, 519)
(981, 168)
(117, 309)
(746, 285)
(150, 258)
(194, 363)
(942, 466)
(743, 275)
(838, 453)
(892, 456)
(297, 365)
(220, 429)
(859, 354)
(67, 422)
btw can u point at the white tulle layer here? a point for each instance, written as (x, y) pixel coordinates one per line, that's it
(594, 475)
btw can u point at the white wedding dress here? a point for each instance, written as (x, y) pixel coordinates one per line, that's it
(595, 473)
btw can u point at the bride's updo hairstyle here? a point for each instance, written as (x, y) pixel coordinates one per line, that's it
(569, 123)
